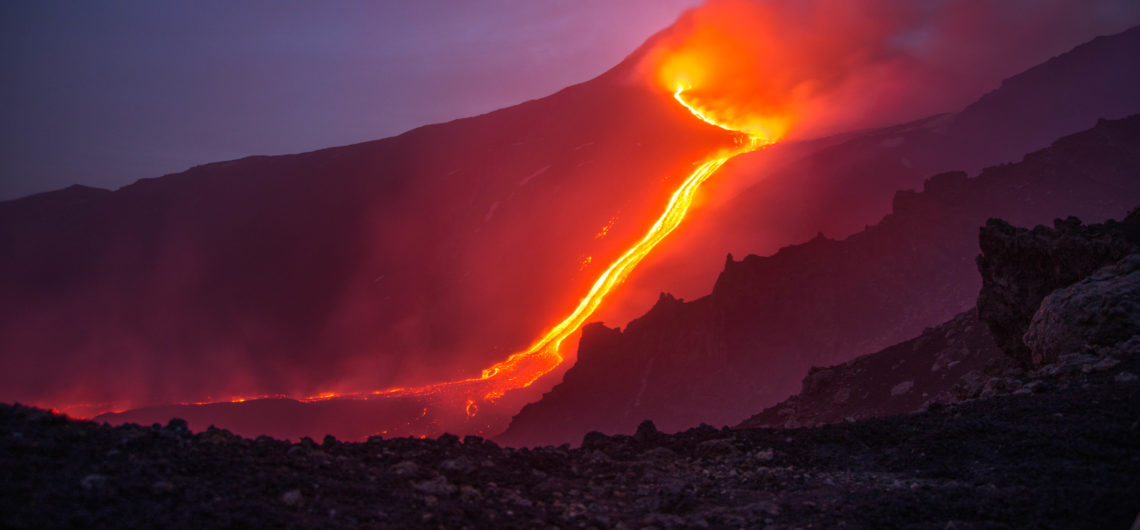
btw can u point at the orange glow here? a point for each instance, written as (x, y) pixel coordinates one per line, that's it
(236, 399)
(758, 130)
(522, 369)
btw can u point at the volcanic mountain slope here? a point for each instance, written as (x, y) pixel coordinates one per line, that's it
(853, 166)
(839, 185)
(769, 319)
(367, 265)
(834, 184)
(361, 266)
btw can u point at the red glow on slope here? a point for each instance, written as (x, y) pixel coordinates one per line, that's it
(684, 77)
(524, 368)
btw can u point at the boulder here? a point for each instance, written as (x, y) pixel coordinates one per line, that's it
(1101, 310)
(1020, 267)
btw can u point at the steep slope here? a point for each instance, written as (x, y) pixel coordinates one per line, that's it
(745, 346)
(354, 267)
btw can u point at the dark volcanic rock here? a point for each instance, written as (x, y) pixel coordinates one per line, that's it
(1101, 310)
(1021, 267)
(1068, 457)
(903, 378)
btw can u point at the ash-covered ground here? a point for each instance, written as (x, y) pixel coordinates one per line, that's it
(1059, 449)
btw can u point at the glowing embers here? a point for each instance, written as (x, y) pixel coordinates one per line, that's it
(606, 229)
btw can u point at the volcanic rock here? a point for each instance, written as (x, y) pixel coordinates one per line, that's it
(903, 378)
(1020, 267)
(317, 260)
(1103, 309)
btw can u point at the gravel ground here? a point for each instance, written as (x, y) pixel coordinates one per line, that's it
(1065, 456)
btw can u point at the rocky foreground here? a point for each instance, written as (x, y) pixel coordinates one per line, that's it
(1060, 448)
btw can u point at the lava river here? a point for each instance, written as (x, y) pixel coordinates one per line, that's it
(522, 369)
(456, 405)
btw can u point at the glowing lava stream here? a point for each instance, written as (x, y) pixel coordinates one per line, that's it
(543, 355)
(524, 368)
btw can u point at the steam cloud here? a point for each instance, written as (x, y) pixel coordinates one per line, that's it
(827, 66)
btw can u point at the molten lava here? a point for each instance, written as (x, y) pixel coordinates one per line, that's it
(522, 369)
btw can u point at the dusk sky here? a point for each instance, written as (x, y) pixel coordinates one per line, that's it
(105, 93)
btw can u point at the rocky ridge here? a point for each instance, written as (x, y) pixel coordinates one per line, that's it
(769, 319)
(1020, 267)
(1073, 320)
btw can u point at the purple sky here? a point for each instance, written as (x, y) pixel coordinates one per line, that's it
(105, 93)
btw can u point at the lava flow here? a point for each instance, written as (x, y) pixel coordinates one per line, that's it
(462, 398)
(524, 368)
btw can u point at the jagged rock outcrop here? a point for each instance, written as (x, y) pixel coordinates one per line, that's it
(746, 346)
(1100, 310)
(1082, 328)
(1020, 267)
(902, 378)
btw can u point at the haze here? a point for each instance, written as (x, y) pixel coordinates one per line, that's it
(103, 94)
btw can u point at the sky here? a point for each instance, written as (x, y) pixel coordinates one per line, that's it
(105, 93)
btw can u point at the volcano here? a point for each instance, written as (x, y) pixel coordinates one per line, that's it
(295, 287)
(352, 268)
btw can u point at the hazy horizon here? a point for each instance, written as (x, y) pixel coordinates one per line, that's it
(103, 95)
